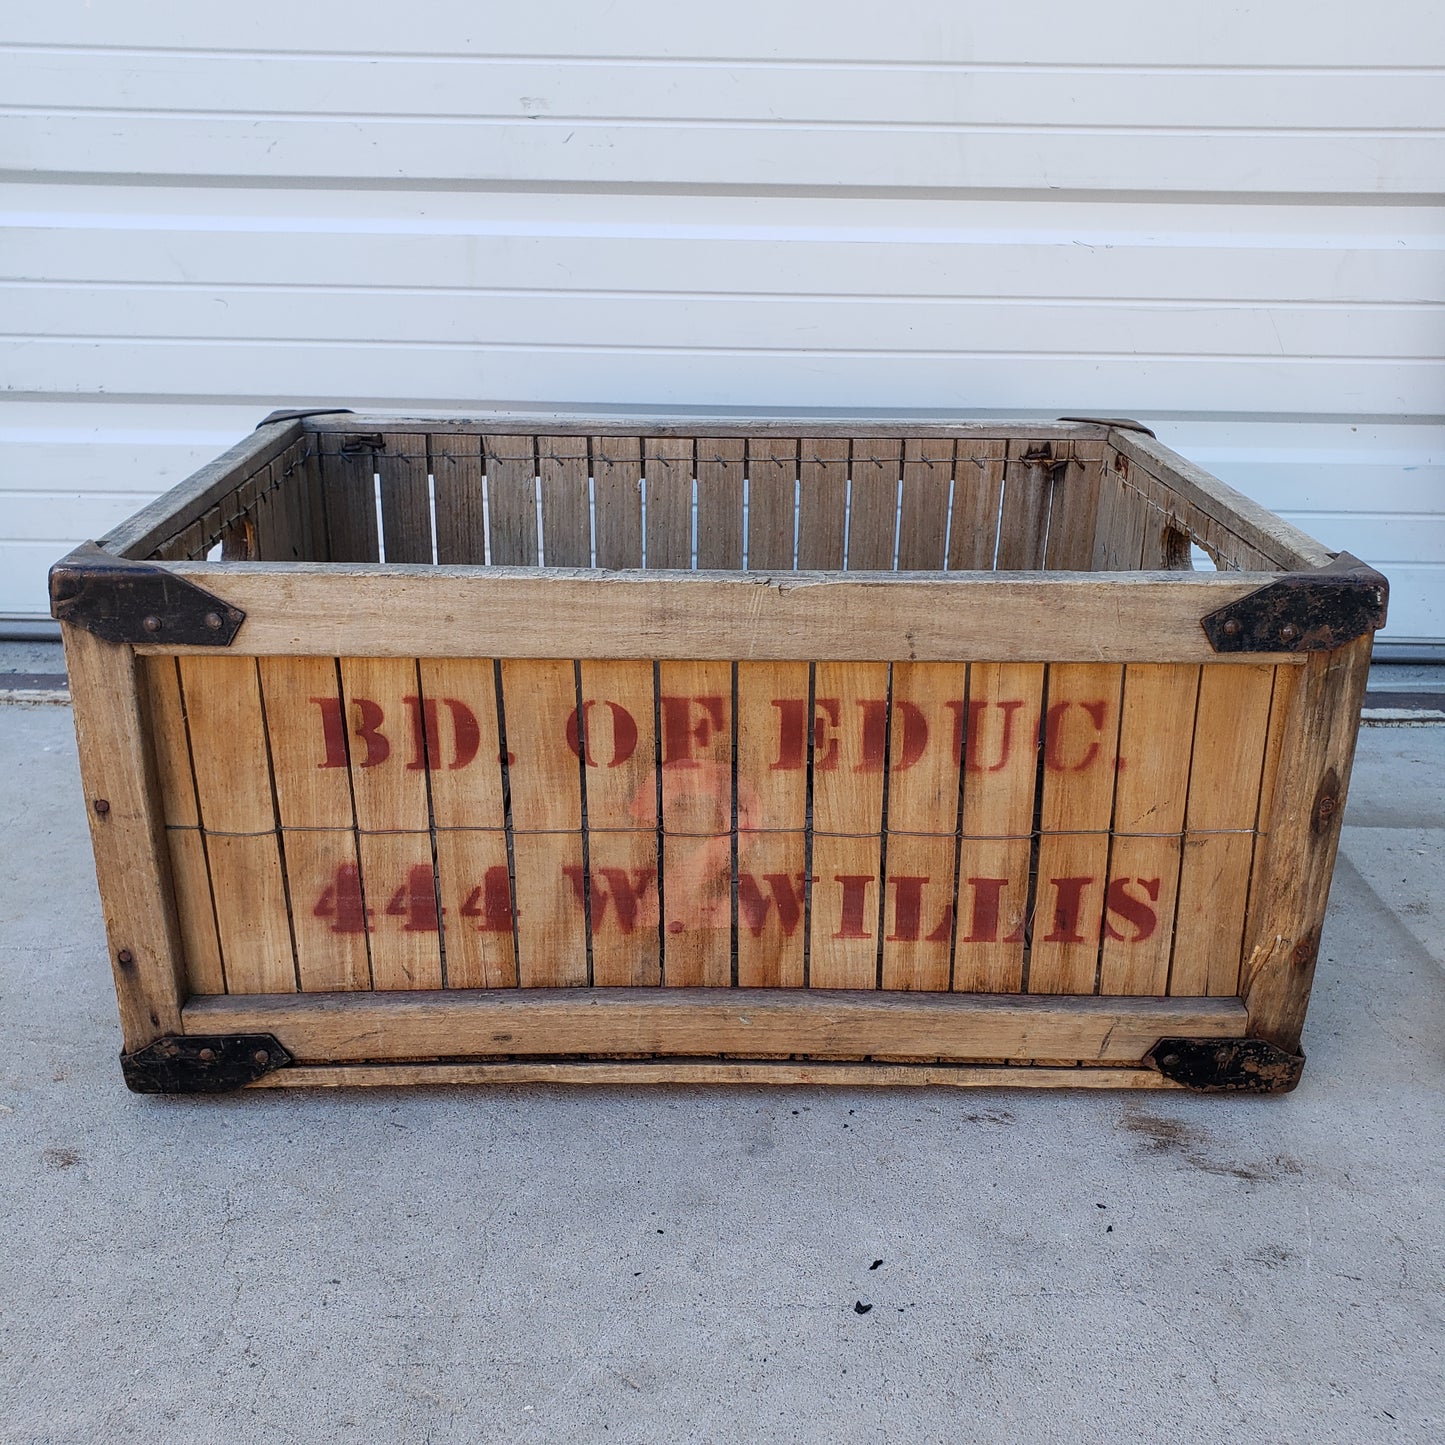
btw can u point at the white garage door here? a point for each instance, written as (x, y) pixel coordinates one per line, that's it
(1219, 218)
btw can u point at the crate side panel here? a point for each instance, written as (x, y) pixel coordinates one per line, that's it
(348, 480)
(822, 503)
(667, 464)
(874, 471)
(617, 492)
(721, 470)
(406, 509)
(510, 464)
(458, 489)
(978, 477)
(564, 471)
(772, 504)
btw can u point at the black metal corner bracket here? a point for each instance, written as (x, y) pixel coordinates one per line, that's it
(1119, 423)
(284, 415)
(1303, 611)
(202, 1064)
(121, 600)
(1227, 1066)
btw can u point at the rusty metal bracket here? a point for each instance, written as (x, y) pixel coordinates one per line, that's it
(1119, 423)
(1303, 611)
(1227, 1066)
(121, 600)
(201, 1063)
(302, 415)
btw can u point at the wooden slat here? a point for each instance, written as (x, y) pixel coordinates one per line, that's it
(552, 940)
(189, 871)
(1281, 707)
(774, 739)
(875, 464)
(406, 529)
(1001, 765)
(1224, 778)
(1286, 915)
(1062, 617)
(978, 475)
(772, 510)
(1024, 512)
(668, 470)
(851, 703)
(1081, 740)
(822, 502)
(389, 784)
(128, 837)
(923, 801)
(623, 905)
(456, 463)
(1073, 507)
(222, 699)
(923, 509)
(693, 1022)
(696, 711)
(1121, 522)
(348, 478)
(538, 698)
(721, 468)
(464, 776)
(307, 734)
(511, 467)
(1156, 734)
(726, 1072)
(141, 533)
(617, 495)
(566, 508)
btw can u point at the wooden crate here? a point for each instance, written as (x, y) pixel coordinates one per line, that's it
(518, 749)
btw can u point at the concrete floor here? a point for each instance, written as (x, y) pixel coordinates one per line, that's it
(536, 1264)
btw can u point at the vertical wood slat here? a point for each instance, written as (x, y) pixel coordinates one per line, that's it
(546, 795)
(406, 524)
(222, 699)
(1121, 520)
(849, 756)
(305, 722)
(510, 463)
(618, 738)
(464, 775)
(617, 489)
(1287, 910)
(1156, 736)
(456, 464)
(772, 509)
(189, 871)
(1224, 783)
(1074, 507)
(348, 472)
(389, 785)
(1024, 509)
(1001, 766)
(978, 475)
(696, 710)
(1081, 740)
(667, 475)
(774, 732)
(923, 506)
(721, 468)
(563, 466)
(822, 503)
(128, 837)
(927, 703)
(874, 469)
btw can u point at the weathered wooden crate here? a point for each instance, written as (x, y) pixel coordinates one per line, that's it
(516, 749)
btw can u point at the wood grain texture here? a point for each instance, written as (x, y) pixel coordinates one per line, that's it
(721, 470)
(923, 505)
(222, 698)
(977, 499)
(728, 1073)
(348, 481)
(476, 902)
(131, 856)
(772, 508)
(617, 493)
(668, 476)
(1073, 508)
(537, 698)
(406, 521)
(1224, 781)
(457, 479)
(874, 469)
(1156, 736)
(564, 469)
(552, 938)
(822, 502)
(190, 873)
(771, 908)
(511, 467)
(462, 742)
(1060, 617)
(701, 1022)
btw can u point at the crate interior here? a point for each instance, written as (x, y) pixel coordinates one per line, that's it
(772, 503)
